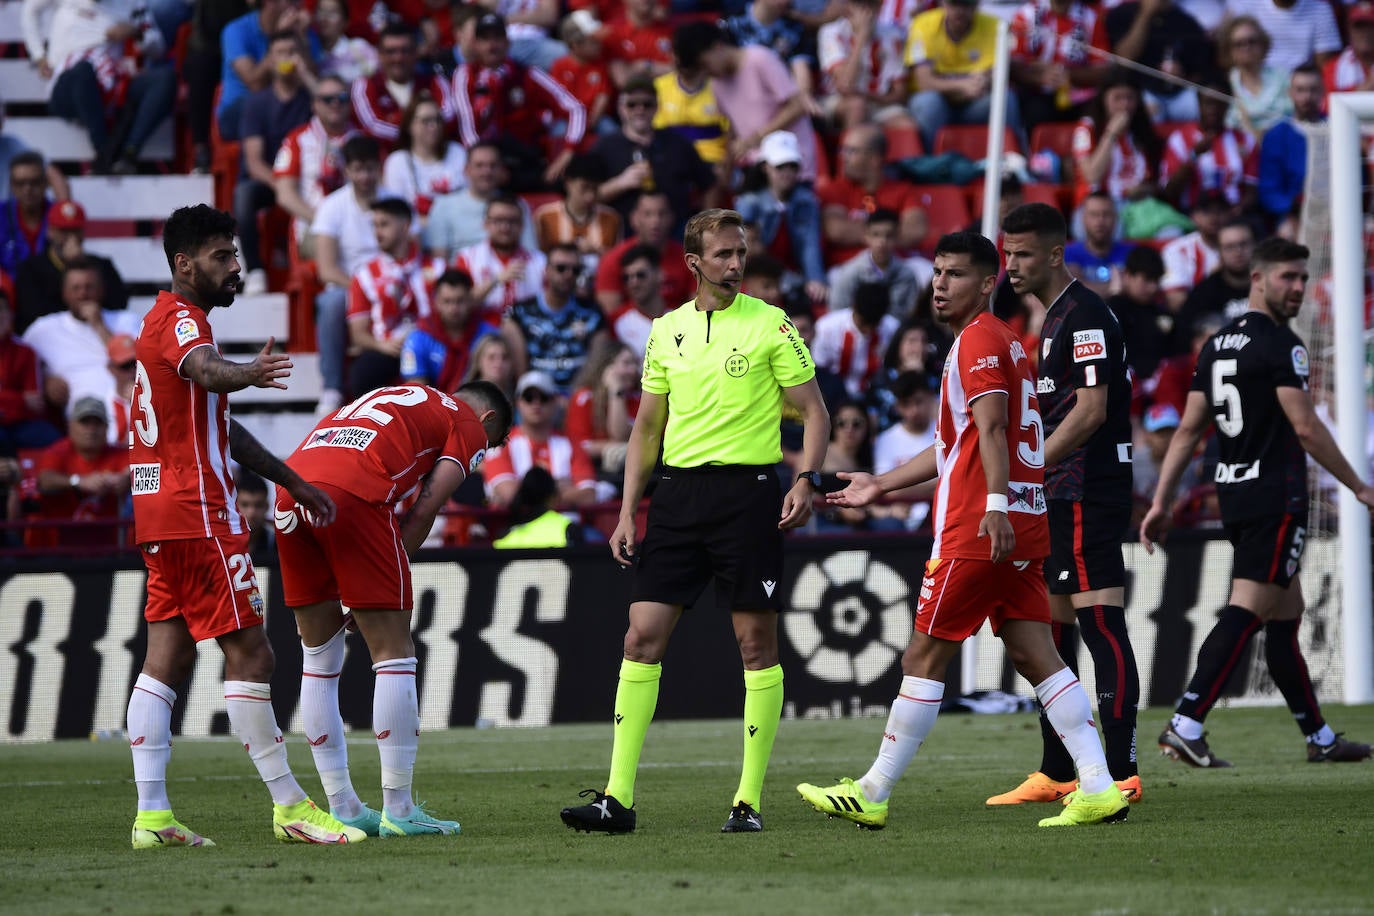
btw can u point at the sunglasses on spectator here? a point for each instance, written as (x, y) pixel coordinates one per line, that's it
(565, 268)
(535, 396)
(635, 275)
(338, 98)
(640, 103)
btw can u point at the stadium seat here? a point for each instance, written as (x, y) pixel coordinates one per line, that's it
(1057, 138)
(971, 140)
(1033, 193)
(903, 142)
(302, 287)
(946, 207)
(224, 162)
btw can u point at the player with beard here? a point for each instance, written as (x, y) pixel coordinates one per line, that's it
(1085, 396)
(201, 583)
(1251, 382)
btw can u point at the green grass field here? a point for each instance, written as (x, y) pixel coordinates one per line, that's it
(1273, 835)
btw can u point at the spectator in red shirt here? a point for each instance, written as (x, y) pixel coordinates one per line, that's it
(21, 394)
(380, 100)
(535, 440)
(651, 220)
(505, 102)
(82, 478)
(859, 190)
(583, 70)
(1353, 69)
(639, 42)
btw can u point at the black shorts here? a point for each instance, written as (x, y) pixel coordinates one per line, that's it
(1268, 549)
(713, 521)
(1085, 546)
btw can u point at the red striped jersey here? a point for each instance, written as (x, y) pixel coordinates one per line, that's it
(393, 294)
(179, 444)
(1221, 168)
(379, 112)
(314, 157)
(516, 101)
(1128, 166)
(559, 455)
(883, 64)
(852, 355)
(483, 263)
(1039, 33)
(383, 444)
(1187, 262)
(987, 358)
(1345, 72)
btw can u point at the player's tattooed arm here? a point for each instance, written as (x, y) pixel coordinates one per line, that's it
(253, 455)
(208, 369)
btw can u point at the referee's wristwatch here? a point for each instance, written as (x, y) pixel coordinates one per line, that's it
(811, 477)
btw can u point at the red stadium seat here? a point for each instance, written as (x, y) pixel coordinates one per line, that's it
(903, 142)
(224, 162)
(971, 140)
(946, 207)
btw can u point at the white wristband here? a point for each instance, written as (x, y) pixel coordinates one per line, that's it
(997, 502)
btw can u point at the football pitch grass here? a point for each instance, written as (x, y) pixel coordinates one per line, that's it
(1273, 835)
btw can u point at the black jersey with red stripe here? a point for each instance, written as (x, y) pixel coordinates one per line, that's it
(1261, 465)
(1081, 346)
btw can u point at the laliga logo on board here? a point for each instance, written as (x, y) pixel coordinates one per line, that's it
(854, 621)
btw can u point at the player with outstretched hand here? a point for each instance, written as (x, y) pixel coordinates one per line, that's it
(201, 583)
(369, 457)
(1251, 383)
(991, 538)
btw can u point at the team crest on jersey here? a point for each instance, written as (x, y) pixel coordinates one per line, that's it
(255, 602)
(736, 365)
(186, 330)
(1300, 363)
(353, 437)
(145, 478)
(1089, 345)
(1045, 347)
(476, 460)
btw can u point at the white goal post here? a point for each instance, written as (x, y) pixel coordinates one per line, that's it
(1349, 110)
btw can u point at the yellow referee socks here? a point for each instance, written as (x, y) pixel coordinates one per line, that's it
(635, 700)
(762, 712)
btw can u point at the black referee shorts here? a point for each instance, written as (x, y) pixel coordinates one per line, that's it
(1268, 549)
(1085, 546)
(719, 521)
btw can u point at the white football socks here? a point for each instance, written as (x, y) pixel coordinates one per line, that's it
(254, 723)
(1070, 713)
(150, 740)
(324, 726)
(1187, 729)
(396, 725)
(913, 716)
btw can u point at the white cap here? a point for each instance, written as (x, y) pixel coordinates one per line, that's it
(585, 21)
(780, 148)
(536, 379)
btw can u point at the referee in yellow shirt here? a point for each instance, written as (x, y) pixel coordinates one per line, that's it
(716, 373)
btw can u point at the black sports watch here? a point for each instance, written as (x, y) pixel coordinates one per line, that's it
(812, 477)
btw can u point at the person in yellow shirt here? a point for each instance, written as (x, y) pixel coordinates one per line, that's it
(687, 103)
(950, 51)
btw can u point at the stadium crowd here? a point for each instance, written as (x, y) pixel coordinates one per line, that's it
(497, 190)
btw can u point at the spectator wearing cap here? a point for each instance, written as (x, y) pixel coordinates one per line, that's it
(1190, 258)
(878, 262)
(81, 51)
(380, 100)
(1353, 69)
(536, 441)
(758, 95)
(786, 214)
(38, 282)
(513, 105)
(81, 477)
(861, 62)
(554, 330)
(687, 101)
(640, 158)
(1146, 324)
(1096, 258)
(1157, 427)
(71, 344)
(861, 188)
(1206, 155)
(583, 71)
(950, 50)
(123, 366)
(638, 43)
(22, 424)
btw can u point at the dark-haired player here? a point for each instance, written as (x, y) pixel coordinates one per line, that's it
(1085, 396)
(990, 540)
(1251, 383)
(201, 583)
